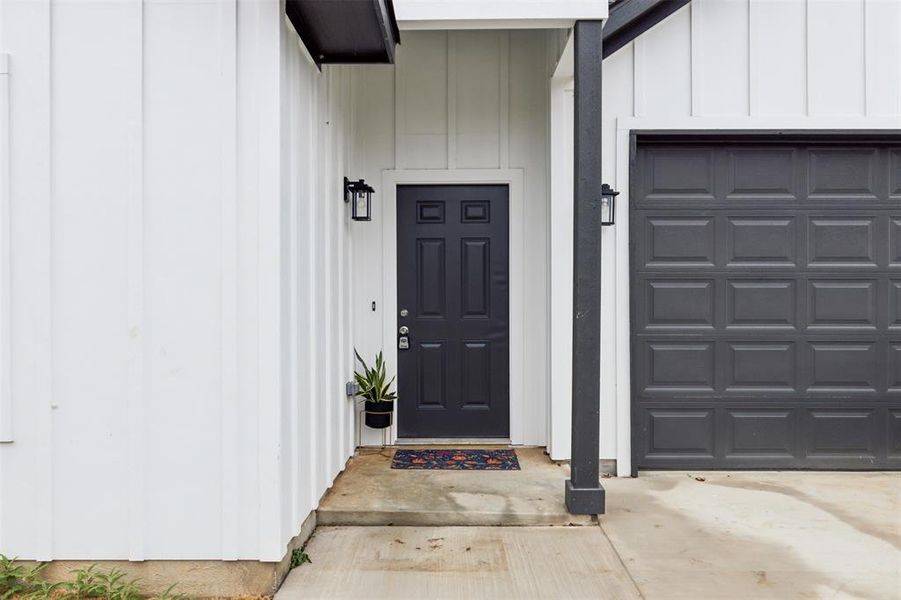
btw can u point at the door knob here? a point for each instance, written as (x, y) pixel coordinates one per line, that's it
(404, 330)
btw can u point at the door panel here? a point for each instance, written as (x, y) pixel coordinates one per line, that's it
(453, 296)
(766, 312)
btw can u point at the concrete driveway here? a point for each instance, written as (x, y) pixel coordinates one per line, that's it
(665, 535)
(758, 535)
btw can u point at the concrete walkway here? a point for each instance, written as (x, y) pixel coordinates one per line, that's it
(459, 562)
(665, 535)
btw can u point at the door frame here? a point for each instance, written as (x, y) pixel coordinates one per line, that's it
(513, 179)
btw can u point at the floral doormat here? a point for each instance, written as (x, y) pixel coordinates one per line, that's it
(459, 460)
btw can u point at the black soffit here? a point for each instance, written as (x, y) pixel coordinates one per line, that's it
(346, 31)
(630, 18)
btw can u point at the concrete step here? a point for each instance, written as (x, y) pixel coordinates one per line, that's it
(369, 492)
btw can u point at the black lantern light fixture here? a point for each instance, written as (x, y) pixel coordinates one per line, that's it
(359, 194)
(608, 205)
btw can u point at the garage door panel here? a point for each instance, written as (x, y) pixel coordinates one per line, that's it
(680, 432)
(679, 303)
(673, 175)
(681, 242)
(841, 303)
(761, 241)
(841, 172)
(766, 305)
(842, 432)
(761, 303)
(761, 366)
(841, 241)
(763, 174)
(764, 433)
(843, 366)
(680, 366)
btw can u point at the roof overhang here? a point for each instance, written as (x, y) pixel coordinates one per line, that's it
(630, 18)
(346, 31)
(496, 14)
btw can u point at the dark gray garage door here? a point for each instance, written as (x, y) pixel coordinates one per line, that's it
(766, 303)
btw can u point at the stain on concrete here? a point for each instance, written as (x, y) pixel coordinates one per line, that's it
(850, 515)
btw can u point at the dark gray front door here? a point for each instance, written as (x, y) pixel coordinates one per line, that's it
(766, 304)
(453, 297)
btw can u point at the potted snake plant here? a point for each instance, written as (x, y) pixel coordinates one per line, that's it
(375, 392)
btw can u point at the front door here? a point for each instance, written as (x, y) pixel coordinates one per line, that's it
(453, 306)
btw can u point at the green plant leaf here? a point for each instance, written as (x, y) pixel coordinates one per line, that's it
(371, 382)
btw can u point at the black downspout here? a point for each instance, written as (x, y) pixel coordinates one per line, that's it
(584, 494)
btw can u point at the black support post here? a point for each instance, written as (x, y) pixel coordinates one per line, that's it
(584, 494)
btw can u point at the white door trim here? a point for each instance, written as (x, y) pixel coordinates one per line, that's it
(624, 128)
(513, 178)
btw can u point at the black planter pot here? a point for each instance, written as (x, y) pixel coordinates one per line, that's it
(378, 414)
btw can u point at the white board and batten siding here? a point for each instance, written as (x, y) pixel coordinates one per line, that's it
(460, 104)
(733, 64)
(174, 268)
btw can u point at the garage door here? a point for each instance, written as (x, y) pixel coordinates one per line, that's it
(766, 303)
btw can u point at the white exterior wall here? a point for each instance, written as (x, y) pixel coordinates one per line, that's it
(172, 244)
(459, 103)
(734, 64)
(316, 418)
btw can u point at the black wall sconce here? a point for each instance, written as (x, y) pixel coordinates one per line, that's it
(608, 205)
(359, 194)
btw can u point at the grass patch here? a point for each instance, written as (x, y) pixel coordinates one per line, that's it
(18, 582)
(299, 557)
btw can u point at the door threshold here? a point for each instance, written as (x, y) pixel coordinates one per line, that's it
(453, 442)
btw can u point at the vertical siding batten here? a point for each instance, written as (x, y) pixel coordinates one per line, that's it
(6, 405)
(41, 252)
(248, 143)
(228, 196)
(269, 282)
(503, 82)
(638, 86)
(328, 313)
(312, 388)
(451, 117)
(696, 72)
(882, 24)
(752, 63)
(135, 397)
(778, 58)
(289, 178)
(829, 62)
(561, 275)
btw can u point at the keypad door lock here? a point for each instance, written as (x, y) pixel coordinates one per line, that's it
(403, 340)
